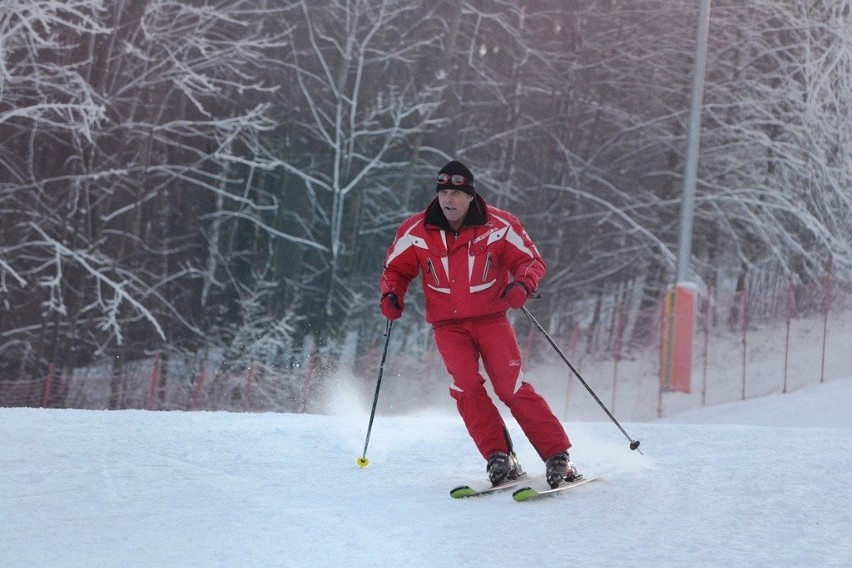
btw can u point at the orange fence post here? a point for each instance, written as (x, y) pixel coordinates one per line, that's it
(199, 384)
(155, 378)
(708, 321)
(791, 310)
(48, 385)
(619, 332)
(745, 308)
(249, 377)
(678, 334)
(826, 307)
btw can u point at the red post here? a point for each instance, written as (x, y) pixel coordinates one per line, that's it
(744, 298)
(574, 342)
(48, 385)
(708, 319)
(826, 307)
(155, 378)
(678, 334)
(199, 384)
(249, 377)
(791, 310)
(619, 332)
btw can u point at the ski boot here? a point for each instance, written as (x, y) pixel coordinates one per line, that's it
(560, 469)
(503, 468)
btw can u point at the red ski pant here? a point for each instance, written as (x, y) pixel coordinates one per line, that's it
(461, 344)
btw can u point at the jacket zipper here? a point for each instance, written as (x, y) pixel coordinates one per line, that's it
(432, 271)
(487, 267)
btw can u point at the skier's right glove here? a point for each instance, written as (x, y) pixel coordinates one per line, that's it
(392, 306)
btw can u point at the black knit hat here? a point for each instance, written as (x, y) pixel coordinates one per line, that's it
(456, 168)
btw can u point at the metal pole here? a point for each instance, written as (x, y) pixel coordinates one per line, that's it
(687, 209)
(688, 203)
(634, 444)
(362, 459)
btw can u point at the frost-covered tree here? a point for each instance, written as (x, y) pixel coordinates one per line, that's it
(775, 181)
(349, 105)
(226, 175)
(129, 129)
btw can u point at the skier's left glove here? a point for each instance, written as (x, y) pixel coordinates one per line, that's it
(515, 294)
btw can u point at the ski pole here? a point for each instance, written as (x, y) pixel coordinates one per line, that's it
(362, 460)
(634, 444)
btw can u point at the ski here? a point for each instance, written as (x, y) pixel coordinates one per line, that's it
(463, 491)
(529, 493)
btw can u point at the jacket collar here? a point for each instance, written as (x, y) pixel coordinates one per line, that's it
(477, 215)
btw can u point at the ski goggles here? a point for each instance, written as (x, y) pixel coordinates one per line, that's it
(455, 179)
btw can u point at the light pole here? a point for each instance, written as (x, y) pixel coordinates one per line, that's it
(676, 368)
(684, 244)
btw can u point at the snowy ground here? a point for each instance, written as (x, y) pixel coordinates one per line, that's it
(758, 483)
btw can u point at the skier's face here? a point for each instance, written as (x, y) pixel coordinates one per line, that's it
(455, 204)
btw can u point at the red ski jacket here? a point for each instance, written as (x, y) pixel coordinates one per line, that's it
(464, 275)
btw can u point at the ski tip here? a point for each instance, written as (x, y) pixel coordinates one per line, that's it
(463, 491)
(524, 493)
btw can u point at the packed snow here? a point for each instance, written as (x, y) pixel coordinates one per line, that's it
(763, 482)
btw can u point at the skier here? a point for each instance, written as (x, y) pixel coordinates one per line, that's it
(466, 251)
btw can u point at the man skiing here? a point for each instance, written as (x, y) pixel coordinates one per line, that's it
(466, 252)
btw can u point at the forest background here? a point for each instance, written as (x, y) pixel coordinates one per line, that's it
(216, 182)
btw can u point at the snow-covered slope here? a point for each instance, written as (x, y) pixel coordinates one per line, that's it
(759, 483)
